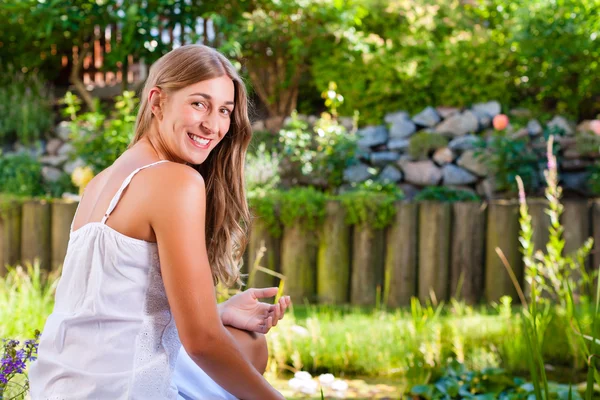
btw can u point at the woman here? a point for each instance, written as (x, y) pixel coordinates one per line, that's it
(135, 315)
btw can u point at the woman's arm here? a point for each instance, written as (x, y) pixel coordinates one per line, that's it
(178, 220)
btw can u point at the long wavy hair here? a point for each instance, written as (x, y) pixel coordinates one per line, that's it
(227, 215)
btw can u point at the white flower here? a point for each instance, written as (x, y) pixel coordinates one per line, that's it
(303, 376)
(339, 385)
(295, 384)
(309, 387)
(299, 330)
(326, 379)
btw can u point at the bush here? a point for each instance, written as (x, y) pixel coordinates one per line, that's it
(445, 194)
(21, 175)
(372, 204)
(99, 140)
(25, 107)
(423, 143)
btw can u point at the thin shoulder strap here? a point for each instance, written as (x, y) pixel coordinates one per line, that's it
(117, 196)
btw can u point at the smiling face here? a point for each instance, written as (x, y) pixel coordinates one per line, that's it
(193, 120)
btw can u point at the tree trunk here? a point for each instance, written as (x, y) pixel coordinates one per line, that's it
(78, 83)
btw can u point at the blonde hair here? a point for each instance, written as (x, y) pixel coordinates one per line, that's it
(227, 214)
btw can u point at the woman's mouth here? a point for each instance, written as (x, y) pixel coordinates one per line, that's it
(199, 141)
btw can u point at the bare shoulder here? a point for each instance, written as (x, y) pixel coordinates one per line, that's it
(175, 186)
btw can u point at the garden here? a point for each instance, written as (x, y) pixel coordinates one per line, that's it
(423, 176)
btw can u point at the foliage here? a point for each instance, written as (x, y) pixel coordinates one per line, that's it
(506, 158)
(490, 383)
(371, 203)
(264, 205)
(278, 40)
(445, 194)
(322, 155)
(587, 143)
(25, 107)
(303, 205)
(14, 361)
(97, 139)
(594, 179)
(423, 143)
(21, 175)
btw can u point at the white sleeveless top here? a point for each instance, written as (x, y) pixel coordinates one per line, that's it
(111, 334)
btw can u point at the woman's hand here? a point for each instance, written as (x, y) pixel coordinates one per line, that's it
(244, 311)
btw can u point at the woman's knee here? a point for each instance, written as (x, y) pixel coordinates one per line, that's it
(254, 346)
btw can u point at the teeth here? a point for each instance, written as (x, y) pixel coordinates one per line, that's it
(198, 139)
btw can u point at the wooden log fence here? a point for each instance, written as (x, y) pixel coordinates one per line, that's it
(430, 249)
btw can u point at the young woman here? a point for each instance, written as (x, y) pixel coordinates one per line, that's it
(135, 315)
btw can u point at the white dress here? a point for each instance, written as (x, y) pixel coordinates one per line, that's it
(111, 334)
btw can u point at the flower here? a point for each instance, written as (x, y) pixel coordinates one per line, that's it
(326, 379)
(309, 387)
(339, 385)
(595, 126)
(303, 376)
(81, 176)
(500, 122)
(14, 359)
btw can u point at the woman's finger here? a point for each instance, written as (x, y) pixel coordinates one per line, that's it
(277, 314)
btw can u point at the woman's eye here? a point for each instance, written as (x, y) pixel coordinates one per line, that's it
(199, 104)
(226, 111)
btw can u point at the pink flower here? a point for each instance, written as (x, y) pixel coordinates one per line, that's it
(500, 122)
(595, 126)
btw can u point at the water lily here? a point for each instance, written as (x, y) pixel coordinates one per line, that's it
(326, 380)
(303, 376)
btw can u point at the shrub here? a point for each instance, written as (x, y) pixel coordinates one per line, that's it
(423, 143)
(21, 175)
(371, 203)
(25, 107)
(445, 194)
(99, 140)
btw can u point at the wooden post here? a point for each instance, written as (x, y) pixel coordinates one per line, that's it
(502, 232)
(576, 222)
(298, 263)
(434, 250)
(35, 233)
(10, 235)
(367, 265)
(333, 259)
(260, 236)
(63, 212)
(540, 222)
(401, 256)
(468, 239)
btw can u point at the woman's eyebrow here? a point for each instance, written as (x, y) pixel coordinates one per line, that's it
(209, 97)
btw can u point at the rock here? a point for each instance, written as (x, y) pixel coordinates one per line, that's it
(571, 154)
(561, 123)
(520, 134)
(487, 188)
(534, 127)
(51, 174)
(390, 174)
(54, 161)
(347, 123)
(258, 126)
(565, 141)
(428, 117)
(453, 175)
(65, 149)
(576, 181)
(402, 128)
(398, 144)
(384, 157)
(36, 150)
(63, 130)
(520, 112)
(485, 121)
(409, 190)
(443, 156)
(491, 108)
(53, 146)
(422, 173)
(70, 166)
(447, 112)
(584, 126)
(357, 173)
(372, 136)
(470, 162)
(459, 124)
(575, 164)
(396, 116)
(462, 143)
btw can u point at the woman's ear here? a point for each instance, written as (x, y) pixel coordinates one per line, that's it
(155, 102)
